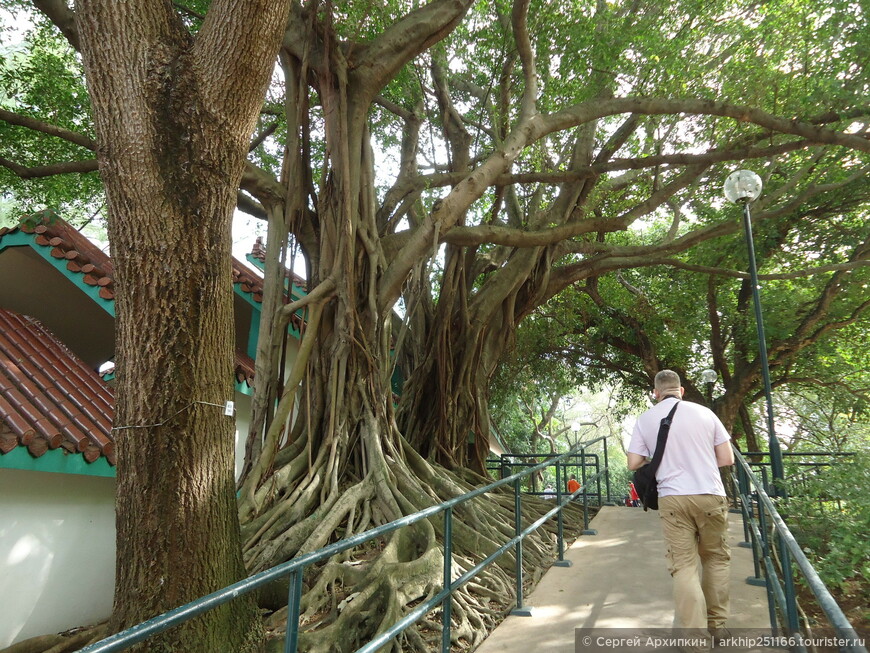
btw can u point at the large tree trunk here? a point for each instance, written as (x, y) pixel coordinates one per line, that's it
(348, 466)
(173, 116)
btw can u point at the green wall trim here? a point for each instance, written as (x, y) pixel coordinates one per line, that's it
(255, 319)
(58, 461)
(247, 296)
(19, 239)
(254, 333)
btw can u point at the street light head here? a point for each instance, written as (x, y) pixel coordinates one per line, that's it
(742, 186)
(709, 376)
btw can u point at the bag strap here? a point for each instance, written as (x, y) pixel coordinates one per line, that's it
(664, 429)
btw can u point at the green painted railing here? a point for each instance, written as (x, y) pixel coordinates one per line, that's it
(764, 528)
(507, 463)
(295, 568)
(794, 460)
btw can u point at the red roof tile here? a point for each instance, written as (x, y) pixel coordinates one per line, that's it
(95, 266)
(48, 397)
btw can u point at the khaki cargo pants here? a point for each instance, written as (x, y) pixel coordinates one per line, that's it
(695, 529)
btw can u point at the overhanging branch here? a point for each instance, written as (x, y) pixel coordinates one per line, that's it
(586, 111)
(59, 13)
(403, 40)
(508, 236)
(47, 128)
(36, 172)
(737, 274)
(581, 173)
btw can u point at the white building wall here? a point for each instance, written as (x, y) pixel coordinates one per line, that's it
(243, 421)
(57, 552)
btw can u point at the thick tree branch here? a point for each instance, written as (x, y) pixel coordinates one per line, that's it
(62, 16)
(446, 212)
(378, 62)
(36, 172)
(501, 235)
(396, 109)
(251, 206)
(839, 324)
(319, 295)
(262, 136)
(235, 39)
(261, 184)
(587, 111)
(581, 173)
(618, 139)
(812, 327)
(455, 134)
(528, 106)
(46, 128)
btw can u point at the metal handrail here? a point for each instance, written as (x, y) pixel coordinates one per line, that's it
(294, 569)
(512, 460)
(783, 595)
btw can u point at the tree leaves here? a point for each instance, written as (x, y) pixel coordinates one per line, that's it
(41, 77)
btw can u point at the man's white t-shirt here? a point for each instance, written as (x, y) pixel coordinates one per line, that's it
(689, 463)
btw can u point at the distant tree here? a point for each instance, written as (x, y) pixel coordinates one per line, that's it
(695, 312)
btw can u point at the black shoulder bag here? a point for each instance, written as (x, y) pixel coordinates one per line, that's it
(645, 477)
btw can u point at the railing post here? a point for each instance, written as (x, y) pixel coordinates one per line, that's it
(743, 493)
(768, 564)
(585, 489)
(560, 532)
(606, 470)
(748, 517)
(447, 604)
(788, 585)
(586, 529)
(294, 599)
(520, 610)
(597, 477)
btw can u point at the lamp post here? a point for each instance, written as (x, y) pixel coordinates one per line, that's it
(709, 378)
(744, 187)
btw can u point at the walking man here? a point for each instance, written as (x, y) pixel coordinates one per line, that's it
(692, 503)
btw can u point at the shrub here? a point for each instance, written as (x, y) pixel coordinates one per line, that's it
(829, 514)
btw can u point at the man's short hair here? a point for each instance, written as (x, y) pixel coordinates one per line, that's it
(667, 381)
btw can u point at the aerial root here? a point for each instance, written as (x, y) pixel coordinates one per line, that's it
(474, 620)
(352, 597)
(408, 569)
(63, 643)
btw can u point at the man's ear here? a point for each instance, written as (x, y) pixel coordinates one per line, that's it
(682, 391)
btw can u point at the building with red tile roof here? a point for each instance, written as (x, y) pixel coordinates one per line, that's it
(49, 398)
(57, 455)
(49, 270)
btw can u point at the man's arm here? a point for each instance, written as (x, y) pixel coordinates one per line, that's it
(636, 461)
(724, 455)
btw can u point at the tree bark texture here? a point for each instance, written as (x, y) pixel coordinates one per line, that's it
(173, 115)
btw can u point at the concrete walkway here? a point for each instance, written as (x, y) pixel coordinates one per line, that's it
(610, 570)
